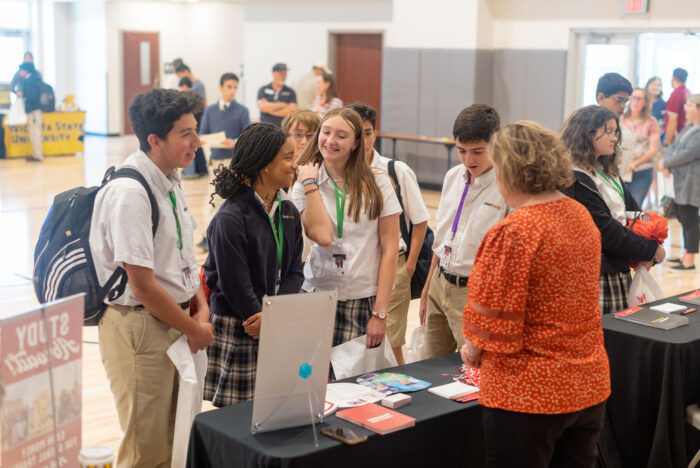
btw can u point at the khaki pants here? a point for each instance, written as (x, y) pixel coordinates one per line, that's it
(143, 380)
(218, 201)
(444, 317)
(35, 121)
(398, 306)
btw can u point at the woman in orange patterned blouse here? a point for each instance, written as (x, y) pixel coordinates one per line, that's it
(532, 319)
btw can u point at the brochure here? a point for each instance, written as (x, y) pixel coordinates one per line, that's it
(390, 382)
(377, 418)
(652, 318)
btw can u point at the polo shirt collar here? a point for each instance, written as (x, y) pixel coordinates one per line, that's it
(484, 179)
(322, 174)
(224, 105)
(375, 159)
(152, 173)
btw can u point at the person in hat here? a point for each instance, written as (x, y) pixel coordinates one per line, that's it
(31, 92)
(276, 100)
(305, 85)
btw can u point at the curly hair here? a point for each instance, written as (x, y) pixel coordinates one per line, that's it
(578, 133)
(530, 158)
(155, 112)
(257, 146)
(362, 188)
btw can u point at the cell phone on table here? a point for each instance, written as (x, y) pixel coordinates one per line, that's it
(343, 434)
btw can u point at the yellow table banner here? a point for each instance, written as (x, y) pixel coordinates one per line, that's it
(63, 133)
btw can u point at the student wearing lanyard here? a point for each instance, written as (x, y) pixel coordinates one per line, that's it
(255, 244)
(351, 214)
(470, 205)
(592, 135)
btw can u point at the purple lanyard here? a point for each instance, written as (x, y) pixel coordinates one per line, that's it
(455, 223)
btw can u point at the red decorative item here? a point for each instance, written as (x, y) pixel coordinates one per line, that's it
(207, 292)
(650, 225)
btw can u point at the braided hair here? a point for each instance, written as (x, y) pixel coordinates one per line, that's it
(255, 149)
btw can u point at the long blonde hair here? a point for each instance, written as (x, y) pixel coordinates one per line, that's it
(362, 189)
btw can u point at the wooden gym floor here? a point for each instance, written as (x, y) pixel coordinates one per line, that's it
(26, 193)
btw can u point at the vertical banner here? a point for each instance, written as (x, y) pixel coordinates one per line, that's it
(41, 375)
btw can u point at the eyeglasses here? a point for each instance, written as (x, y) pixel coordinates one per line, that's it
(620, 100)
(637, 98)
(300, 136)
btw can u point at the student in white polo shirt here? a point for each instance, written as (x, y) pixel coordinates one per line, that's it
(351, 214)
(470, 205)
(138, 327)
(415, 214)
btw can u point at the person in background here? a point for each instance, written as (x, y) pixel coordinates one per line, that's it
(592, 136)
(183, 71)
(276, 100)
(675, 112)
(351, 214)
(30, 91)
(613, 92)
(532, 321)
(644, 146)
(255, 251)
(16, 83)
(469, 206)
(185, 84)
(658, 111)
(327, 97)
(198, 168)
(415, 217)
(171, 80)
(302, 124)
(682, 158)
(305, 85)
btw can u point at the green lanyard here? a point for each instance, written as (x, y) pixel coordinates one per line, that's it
(339, 206)
(173, 202)
(278, 235)
(613, 183)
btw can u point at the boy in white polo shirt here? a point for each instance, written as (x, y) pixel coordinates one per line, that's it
(139, 326)
(470, 205)
(415, 213)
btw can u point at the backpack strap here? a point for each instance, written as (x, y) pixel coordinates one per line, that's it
(127, 172)
(405, 233)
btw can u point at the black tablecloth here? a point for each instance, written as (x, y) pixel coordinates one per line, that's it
(654, 374)
(446, 434)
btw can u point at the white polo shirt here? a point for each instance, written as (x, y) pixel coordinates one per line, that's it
(414, 208)
(483, 208)
(361, 241)
(121, 231)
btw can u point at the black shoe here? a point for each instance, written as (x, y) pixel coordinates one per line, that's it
(674, 260)
(682, 267)
(203, 244)
(33, 159)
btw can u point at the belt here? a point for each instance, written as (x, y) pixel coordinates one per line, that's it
(183, 306)
(460, 281)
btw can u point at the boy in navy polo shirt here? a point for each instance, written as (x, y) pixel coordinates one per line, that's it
(276, 100)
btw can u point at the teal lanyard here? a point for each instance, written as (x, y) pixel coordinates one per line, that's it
(173, 201)
(613, 183)
(278, 235)
(339, 206)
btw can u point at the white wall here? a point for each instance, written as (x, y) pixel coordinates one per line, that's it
(63, 50)
(207, 36)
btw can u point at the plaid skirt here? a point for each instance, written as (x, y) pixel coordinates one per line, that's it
(614, 289)
(351, 319)
(233, 360)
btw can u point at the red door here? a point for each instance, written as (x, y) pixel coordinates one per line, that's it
(141, 71)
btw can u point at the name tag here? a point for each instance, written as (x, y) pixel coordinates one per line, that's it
(269, 91)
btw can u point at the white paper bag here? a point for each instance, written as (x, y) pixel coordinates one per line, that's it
(415, 353)
(354, 358)
(192, 369)
(16, 116)
(643, 289)
(665, 185)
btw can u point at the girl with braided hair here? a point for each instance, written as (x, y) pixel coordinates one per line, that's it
(255, 245)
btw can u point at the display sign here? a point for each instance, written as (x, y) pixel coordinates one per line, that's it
(41, 370)
(636, 6)
(62, 133)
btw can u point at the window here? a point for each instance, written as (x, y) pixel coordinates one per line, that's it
(661, 53)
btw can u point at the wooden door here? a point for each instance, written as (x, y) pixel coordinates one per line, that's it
(141, 71)
(359, 69)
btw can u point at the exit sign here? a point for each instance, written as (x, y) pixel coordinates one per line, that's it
(636, 6)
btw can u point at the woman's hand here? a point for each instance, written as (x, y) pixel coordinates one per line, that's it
(375, 331)
(252, 325)
(309, 171)
(471, 355)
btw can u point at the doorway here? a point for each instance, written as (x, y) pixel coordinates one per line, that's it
(358, 68)
(141, 71)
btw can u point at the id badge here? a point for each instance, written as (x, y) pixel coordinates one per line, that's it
(338, 260)
(187, 279)
(446, 254)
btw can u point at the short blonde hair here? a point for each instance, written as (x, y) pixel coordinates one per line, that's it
(530, 158)
(302, 115)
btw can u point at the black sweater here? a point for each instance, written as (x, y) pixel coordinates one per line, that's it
(620, 245)
(242, 264)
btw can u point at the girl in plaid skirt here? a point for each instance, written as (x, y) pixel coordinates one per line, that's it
(355, 244)
(592, 134)
(255, 245)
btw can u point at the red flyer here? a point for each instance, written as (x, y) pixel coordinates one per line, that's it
(41, 422)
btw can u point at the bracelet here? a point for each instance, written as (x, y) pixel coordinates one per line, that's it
(306, 192)
(310, 181)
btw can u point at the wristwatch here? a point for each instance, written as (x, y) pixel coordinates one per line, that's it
(309, 182)
(381, 315)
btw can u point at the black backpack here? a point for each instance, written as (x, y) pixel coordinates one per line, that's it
(47, 99)
(63, 264)
(425, 257)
